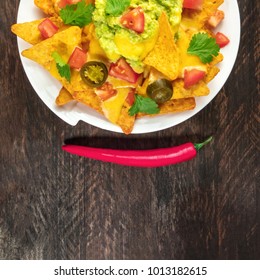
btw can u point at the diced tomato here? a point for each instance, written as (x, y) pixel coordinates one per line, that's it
(192, 77)
(216, 18)
(130, 99)
(193, 4)
(134, 20)
(77, 58)
(122, 70)
(47, 28)
(106, 91)
(63, 3)
(221, 39)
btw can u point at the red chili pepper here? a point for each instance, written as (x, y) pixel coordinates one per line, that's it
(140, 158)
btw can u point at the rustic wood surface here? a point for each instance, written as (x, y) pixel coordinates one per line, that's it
(57, 206)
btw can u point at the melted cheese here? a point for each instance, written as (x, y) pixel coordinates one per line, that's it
(134, 50)
(112, 106)
(188, 61)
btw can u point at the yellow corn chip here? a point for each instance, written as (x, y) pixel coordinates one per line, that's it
(88, 97)
(164, 57)
(216, 59)
(125, 121)
(179, 92)
(198, 19)
(209, 7)
(174, 106)
(212, 72)
(63, 42)
(81, 92)
(76, 83)
(212, 68)
(186, 60)
(46, 6)
(177, 105)
(63, 98)
(29, 32)
(112, 106)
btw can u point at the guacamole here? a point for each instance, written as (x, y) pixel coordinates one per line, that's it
(117, 40)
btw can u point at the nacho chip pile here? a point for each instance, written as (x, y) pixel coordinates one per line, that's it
(167, 59)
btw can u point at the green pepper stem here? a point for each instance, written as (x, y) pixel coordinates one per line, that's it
(198, 146)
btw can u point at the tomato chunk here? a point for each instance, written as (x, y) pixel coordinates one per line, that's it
(63, 3)
(130, 99)
(106, 91)
(221, 39)
(134, 20)
(193, 4)
(77, 58)
(122, 70)
(47, 28)
(192, 77)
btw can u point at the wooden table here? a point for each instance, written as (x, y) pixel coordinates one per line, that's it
(57, 206)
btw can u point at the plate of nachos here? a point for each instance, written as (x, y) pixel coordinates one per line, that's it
(131, 66)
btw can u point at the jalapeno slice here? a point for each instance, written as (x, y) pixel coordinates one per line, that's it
(94, 73)
(160, 91)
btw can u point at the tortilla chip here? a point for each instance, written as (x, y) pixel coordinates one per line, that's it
(180, 92)
(29, 32)
(213, 70)
(177, 105)
(76, 83)
(46, 6)
(112, 107)
(165, 55)
(63, 42)
(209, 7)
(89, 98)
(212, 73)
(125, 121)
(63, 98)
(199, 18)
(216, 59)
(174, 106)
(187, 61)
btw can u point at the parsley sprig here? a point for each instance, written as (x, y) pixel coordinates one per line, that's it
(203, 46)
(79, 14)
(62, 66)
(116, 7)
(143, 105)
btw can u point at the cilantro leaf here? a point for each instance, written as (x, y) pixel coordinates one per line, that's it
(143, 105)
(79, 14)
(116, 7)
(62, 66)
(203, 46)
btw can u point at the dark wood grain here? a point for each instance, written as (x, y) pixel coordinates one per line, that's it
(57, 206)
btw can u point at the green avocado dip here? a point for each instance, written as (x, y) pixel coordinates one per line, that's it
(117, 41)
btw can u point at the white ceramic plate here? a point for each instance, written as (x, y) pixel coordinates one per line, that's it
(48, 88)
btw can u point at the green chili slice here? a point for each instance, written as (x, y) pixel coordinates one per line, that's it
(160, 91)
(94, 73)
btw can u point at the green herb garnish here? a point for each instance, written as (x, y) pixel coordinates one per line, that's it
(143, 105)
(62, 66)
(79, 14)
(116, 7)
(203, 46)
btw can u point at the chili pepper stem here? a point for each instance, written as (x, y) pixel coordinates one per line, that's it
(198, 146)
